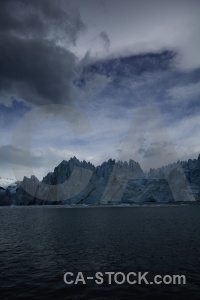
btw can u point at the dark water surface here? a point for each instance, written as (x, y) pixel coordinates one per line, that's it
(38, 245)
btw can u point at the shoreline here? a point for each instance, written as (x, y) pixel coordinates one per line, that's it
(76, 206)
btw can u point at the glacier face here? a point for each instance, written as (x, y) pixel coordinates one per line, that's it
(80, 182)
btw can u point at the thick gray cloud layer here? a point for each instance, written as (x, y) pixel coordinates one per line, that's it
(143, 26)
(35, 70)
(44, 18)
(34, 64)
(132, 54)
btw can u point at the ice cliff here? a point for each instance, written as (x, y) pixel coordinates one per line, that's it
(80, 182)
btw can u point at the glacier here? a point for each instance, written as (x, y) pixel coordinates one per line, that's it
(76, 182)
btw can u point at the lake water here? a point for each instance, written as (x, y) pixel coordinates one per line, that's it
(39, 244)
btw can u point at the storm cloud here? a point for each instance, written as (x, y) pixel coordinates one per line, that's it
(36, 64)
(105, 59)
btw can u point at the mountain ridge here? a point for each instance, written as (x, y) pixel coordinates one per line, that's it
(80, 182)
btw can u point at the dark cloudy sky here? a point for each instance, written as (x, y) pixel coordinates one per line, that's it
(98, 79)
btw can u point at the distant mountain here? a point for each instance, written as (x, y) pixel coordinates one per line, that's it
(80, 182)
(5, 182)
